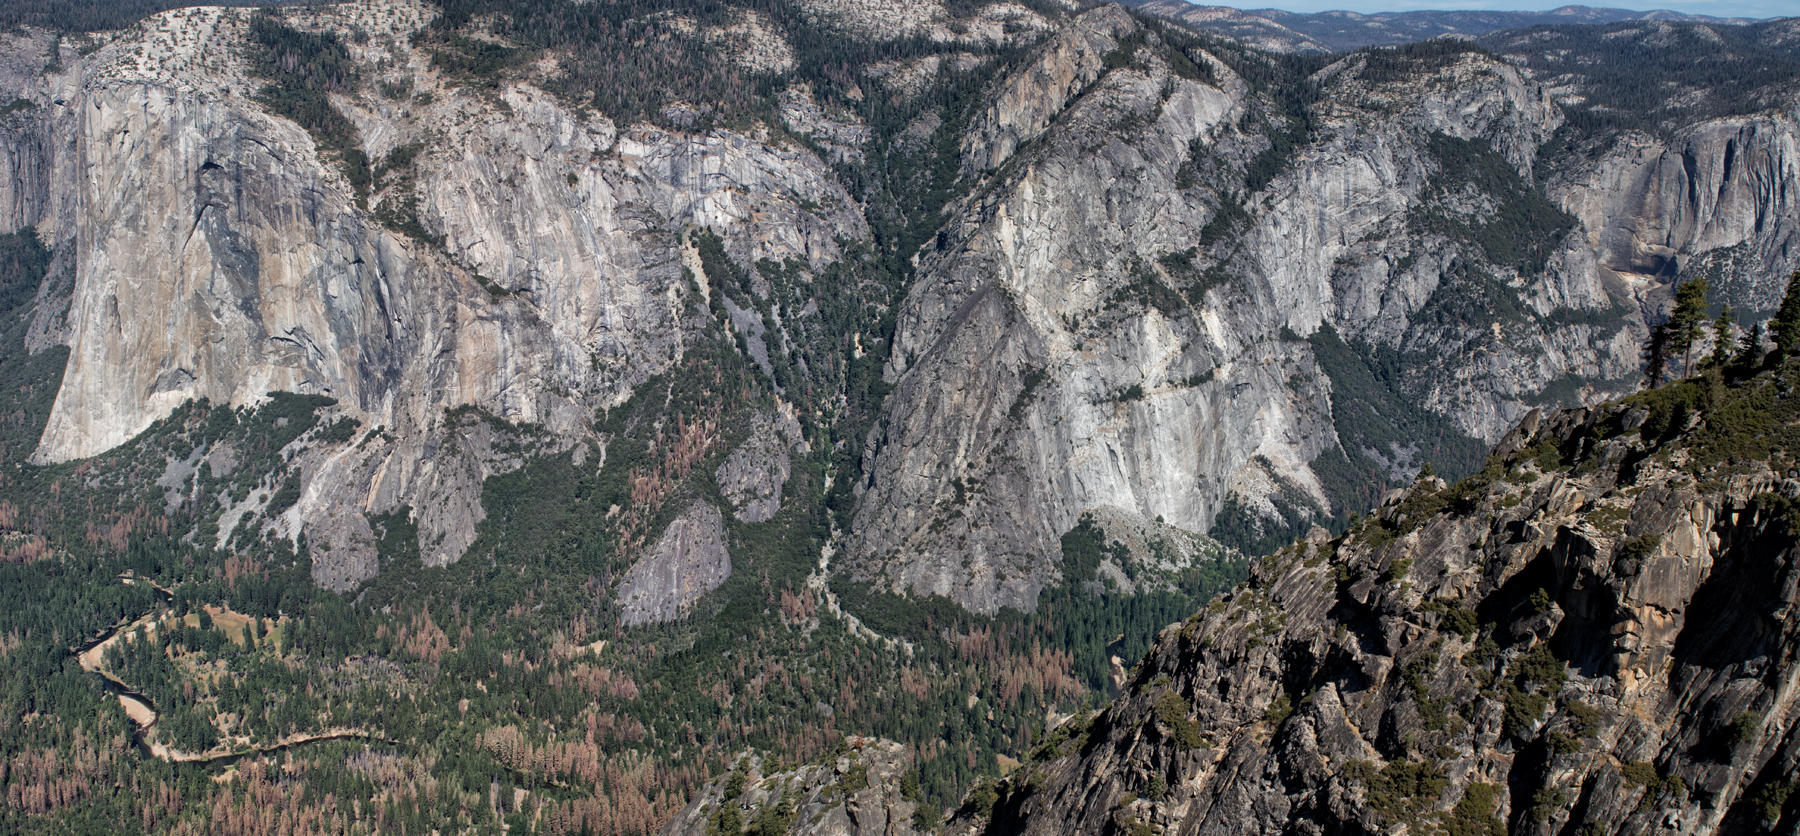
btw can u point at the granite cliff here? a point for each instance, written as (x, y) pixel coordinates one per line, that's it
(1173, 278)
(1337, 31)
(214, 251)
(1190, 295)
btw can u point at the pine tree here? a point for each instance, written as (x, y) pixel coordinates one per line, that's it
(1656, 352)
(1687, 320)
(1751, 352)
(1786, 326)
(1722, 341)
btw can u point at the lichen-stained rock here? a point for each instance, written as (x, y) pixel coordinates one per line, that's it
(1593, 634)
(686, 562)
(855, 792)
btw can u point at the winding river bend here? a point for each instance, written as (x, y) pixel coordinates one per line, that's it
(91, 657)
(142, 711)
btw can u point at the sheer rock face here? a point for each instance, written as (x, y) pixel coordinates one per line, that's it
(688, 561)
(217, 253)
(853, 794)
(1084, 335)
(1014, 360)
(261, 277)
(1605, 643)
(1656, 206)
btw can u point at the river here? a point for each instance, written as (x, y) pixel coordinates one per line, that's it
(142, 712)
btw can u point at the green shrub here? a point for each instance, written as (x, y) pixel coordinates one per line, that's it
(1172, 712)
(1639, 773)
(1401, 789)
(1636, 549)
(1657, 787)
(1537, 677)
(1278, 711)
(1772, 799)
(1745, 727)
(284, 497)
(1546, 801)
(1546, 456)
(1476, 814)
(1540, 669)
(1584, 719)
(983, 796)
(1433, 711)
(855, 780)
(1457, 619)
(1523, 708)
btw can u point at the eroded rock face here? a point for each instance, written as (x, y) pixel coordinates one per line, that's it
(1029, 101)
(752, 476)
(1723, 191)
(1594, 633)
(856, 793)
(688, 561)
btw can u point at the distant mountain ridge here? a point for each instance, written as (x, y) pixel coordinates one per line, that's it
(1341, 31)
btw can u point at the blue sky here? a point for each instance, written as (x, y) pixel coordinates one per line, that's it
(1721, 8)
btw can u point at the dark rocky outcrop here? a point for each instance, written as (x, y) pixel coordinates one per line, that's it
(859, 791)
(1596, 634)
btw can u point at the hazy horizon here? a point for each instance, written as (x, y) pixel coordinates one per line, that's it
(1716, 8)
